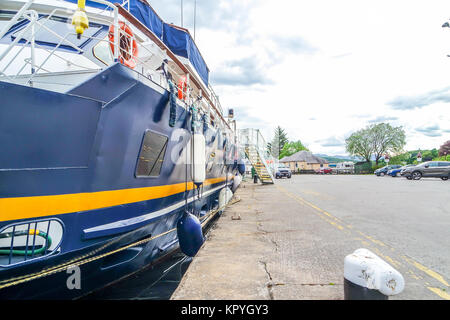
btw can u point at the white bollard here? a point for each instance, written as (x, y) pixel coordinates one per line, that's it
(368, 277)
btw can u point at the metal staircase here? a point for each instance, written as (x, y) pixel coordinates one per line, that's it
(254, 148)
(261, 168)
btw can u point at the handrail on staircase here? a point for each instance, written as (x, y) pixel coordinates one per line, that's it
(258, 161)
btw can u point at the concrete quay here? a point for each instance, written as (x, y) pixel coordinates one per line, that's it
(274, 251)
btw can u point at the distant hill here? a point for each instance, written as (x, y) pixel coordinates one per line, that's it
(337, 158)
(407, 157)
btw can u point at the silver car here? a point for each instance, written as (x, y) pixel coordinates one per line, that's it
(435, 169)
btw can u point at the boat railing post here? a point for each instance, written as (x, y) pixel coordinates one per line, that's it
(15, 18)
(116, 26)
(116, 35)
(16, 40)
(32, 45)
(188, 84)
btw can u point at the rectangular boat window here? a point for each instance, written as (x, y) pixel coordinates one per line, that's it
(103, 52)
(151, 156)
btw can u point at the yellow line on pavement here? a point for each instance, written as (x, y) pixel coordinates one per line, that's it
(372, 239)
(430, 272)
(417, 265)
(413, 275)
(304, 202)
(388, 258)
(440, 293)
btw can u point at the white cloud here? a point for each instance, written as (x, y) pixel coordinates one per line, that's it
(341, 63)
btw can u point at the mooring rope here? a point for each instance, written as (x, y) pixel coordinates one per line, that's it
(83, 259)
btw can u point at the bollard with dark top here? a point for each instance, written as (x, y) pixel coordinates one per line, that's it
(368, 277)
(254, 175)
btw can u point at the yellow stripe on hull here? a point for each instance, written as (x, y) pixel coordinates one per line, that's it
(41, 206)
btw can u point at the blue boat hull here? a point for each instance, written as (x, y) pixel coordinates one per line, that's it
(73, 156)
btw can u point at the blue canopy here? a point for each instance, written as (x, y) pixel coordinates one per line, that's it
(178, 40)
(181, 43)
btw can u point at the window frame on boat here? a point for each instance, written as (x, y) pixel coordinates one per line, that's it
(161, 153)
(100, 45)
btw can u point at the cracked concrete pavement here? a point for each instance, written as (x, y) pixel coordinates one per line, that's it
(276, 251)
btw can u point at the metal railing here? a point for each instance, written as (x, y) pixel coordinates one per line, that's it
(11, 56)
(253, 137)
(25, 241)
(25, 61)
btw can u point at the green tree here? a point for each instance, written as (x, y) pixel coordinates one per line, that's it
(400, 159)
(279, 140)
(413, 156)
(292, 147)
(434, 153)
(377, 139)
(427, 155)
(385, 138)
(360, 144)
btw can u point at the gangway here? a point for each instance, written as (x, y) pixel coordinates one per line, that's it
(254, 147)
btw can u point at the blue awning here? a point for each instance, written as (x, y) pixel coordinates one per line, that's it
(179, 41)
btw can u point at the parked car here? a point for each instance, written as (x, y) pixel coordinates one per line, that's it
(434, 169)
(396, 171)
(383, 171)
(282, 171)
(324, 171)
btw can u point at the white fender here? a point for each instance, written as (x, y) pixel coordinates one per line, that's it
(199, 158)
(236, 182)
(225, 196)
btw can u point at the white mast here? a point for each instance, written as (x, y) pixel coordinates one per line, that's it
(181, 13)
(195, 15)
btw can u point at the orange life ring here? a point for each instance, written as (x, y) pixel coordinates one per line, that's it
(128, 45)
(182, 88)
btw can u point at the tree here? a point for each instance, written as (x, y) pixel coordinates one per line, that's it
(359, 144)
(278, 142)
(385, 138)
(400, 159)
(427, 155)
(434, 153)
(444, 149)
(292, 147)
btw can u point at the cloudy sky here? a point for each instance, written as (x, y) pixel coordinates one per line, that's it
(326, 68)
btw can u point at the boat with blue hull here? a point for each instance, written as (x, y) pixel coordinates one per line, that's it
(116, 151)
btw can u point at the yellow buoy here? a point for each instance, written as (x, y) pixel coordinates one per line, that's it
(80, 19)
